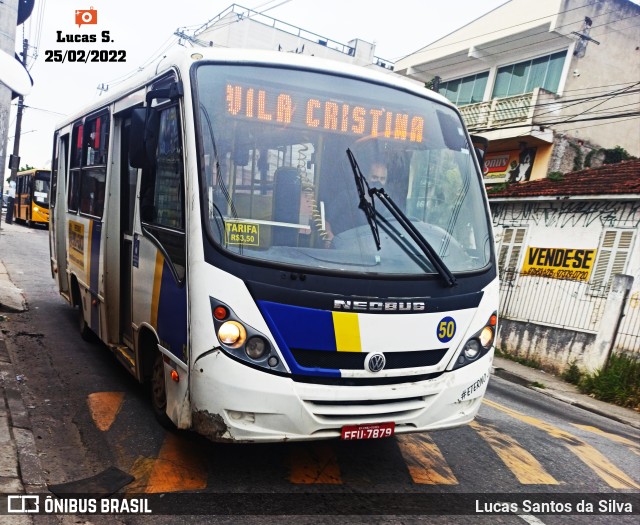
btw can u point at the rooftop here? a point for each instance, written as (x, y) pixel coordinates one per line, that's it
(611, 179)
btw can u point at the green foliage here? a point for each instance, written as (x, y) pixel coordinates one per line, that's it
(25, 168)
(572, 374)
(615, 155)
(577, 159)
(618, 382)
(611, 156)
(556, 176)
(495, 188)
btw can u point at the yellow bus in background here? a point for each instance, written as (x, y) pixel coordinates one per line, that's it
(31, 204)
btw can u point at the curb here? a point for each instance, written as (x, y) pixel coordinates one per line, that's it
(523, 381)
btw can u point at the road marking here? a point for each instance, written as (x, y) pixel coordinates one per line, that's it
(524, 466)
(141, 471)
(597, 462)
(426, 463)
(313, 464)
(179, 466)
(531, 520)
(104, 407)
(613, 437)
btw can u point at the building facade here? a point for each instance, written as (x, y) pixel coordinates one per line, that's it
(245, 28)
(550, 84)
(561, 244)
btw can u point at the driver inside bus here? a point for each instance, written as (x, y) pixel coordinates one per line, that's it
(339, 218)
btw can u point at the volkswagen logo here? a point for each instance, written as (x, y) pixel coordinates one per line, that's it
(375, 362)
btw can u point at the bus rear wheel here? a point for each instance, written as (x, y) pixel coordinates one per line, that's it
(159, 392)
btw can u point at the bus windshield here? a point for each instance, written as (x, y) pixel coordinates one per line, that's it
(41, 189)
(279, 187)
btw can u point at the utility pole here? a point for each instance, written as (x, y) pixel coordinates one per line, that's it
(15, 165)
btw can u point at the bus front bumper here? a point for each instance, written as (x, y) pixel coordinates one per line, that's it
(233, 402)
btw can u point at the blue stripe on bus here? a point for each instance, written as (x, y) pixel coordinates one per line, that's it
(172, 314)
(305, 328)
(95, 231)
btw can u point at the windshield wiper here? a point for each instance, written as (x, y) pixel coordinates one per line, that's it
(399, 215)
(368, 207)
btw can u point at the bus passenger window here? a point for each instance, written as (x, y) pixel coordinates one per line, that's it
(162, 200)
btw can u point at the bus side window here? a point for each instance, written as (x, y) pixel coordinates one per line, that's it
(94, 169)
(73, 197)
(162, 193)
(162, 188)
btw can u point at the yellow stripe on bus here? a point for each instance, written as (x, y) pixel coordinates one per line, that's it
(591, 457)
(424, 460)
(88, 253)
(157, 281)
(524, 466)
(347, 332)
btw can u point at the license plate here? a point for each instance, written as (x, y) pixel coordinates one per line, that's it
(373, 431)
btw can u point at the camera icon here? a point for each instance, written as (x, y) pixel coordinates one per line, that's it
(86, 16)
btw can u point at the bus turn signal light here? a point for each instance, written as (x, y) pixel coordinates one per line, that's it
(220, 313)
(175, 376)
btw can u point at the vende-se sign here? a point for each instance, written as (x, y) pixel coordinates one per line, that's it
(559, 263)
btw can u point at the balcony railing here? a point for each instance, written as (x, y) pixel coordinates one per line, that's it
(501, 111)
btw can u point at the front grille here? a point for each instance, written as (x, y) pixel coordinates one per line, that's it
(355, 360)
(367, 411)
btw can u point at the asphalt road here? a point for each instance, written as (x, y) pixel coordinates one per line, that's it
(88, 415)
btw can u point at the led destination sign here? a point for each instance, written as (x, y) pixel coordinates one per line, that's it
(312, 112)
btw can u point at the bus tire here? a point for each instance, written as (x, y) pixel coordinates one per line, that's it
(159, 392)
(85, 332)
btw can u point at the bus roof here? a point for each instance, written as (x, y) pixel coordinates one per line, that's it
(183, 58)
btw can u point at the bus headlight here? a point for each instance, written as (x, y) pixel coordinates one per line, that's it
(471, 349)
(232, 333)
(478, 344)
(256, 347)
(242, 342)
(486, 336)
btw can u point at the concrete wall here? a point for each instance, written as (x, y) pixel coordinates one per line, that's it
(607, 68)
(554, 348)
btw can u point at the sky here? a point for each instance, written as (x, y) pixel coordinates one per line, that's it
(143, 28)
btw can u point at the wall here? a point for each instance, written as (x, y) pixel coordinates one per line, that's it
(554, 348)
(566, 223)
(607, 68)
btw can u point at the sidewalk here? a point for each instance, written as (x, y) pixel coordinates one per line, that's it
(559, 389)
(20, 469)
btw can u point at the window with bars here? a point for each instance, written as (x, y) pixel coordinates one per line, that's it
(510, 250)
(613, 254)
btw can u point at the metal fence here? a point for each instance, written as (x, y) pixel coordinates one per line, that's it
(572, 305)
(628, 336)
(553, 302)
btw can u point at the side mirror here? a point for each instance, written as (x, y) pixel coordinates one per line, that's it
(480, 145)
